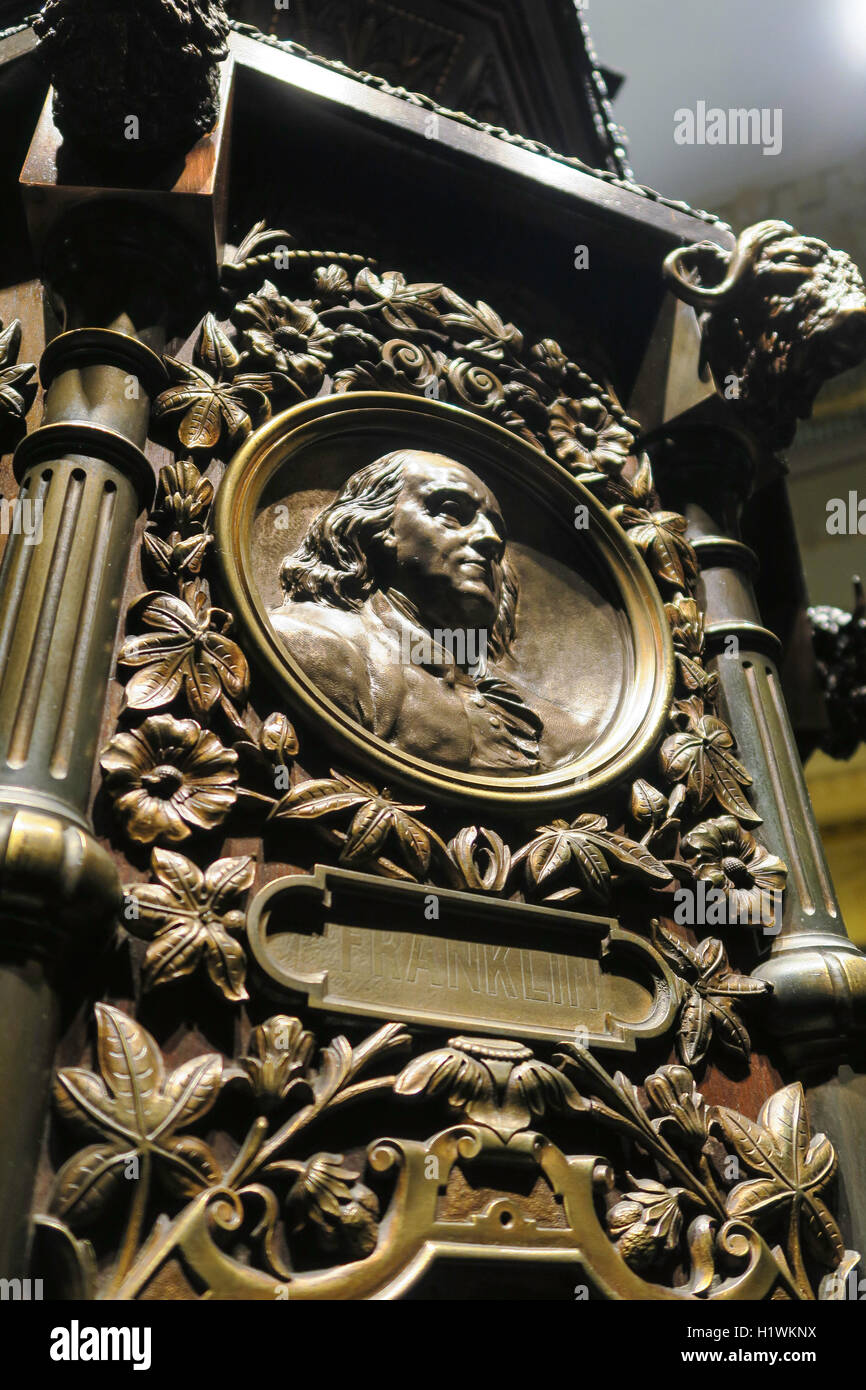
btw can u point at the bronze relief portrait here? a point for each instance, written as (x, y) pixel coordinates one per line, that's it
(443, 598)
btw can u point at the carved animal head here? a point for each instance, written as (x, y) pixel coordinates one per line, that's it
(785, 313)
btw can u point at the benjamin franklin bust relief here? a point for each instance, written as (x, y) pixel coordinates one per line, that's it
(401, 604)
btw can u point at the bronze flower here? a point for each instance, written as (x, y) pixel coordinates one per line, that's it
(587, 437)
(285, 335)
(183, 495)
(687, 630)
(672, 1091)
(331, 283)
(687, 624)
(549, 360)
(495, 1082)
(277, 1057)
(730, 859)
(168, 777)
(343, 1213)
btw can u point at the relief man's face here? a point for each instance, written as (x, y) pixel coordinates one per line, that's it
(446, 544)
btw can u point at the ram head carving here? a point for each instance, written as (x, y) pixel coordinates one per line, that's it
(780, 314)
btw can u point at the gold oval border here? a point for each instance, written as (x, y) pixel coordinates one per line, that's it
(266, 451)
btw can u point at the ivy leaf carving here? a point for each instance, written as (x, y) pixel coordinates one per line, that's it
(712, 991)
(138, 1112)
(701, 757)
(401, 304)
(378, 820)
(792, 1169)
(215, 352)
(210, 398)
(185, 648)
(187, 917)
(17, 390)
(661, 539)
(591, 852)
(487, 334)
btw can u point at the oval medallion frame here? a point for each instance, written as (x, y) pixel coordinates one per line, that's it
(383, 421)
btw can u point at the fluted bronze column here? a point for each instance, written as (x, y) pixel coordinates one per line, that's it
(85, 473)
(117, 273)
(818, 1002)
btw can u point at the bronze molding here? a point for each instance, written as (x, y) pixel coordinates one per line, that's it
(385, 416)
(85, 439)
(418, 1238)
(102, 347)
(247, 38)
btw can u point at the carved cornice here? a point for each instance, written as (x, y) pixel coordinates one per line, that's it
(427, 103)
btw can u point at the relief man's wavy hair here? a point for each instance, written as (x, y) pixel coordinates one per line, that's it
(333, 562)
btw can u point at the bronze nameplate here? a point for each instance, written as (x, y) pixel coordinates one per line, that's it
(352, 943)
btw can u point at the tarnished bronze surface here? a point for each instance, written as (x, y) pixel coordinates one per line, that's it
(112, 270)
(168, 55)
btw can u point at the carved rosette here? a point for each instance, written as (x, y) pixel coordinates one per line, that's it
(701, 1201)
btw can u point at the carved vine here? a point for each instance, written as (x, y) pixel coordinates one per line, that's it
(692, 1178)
(17, 389)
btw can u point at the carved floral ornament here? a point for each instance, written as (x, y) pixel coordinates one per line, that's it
(180, 654)
(701, 1201)
(707, 1203)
